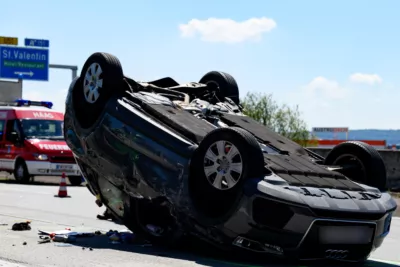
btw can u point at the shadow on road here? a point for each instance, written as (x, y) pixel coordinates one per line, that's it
(206, 255)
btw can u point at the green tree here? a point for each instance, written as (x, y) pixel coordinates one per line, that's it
(281, 119)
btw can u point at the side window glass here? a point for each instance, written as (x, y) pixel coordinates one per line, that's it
(2, 122)
(9, 129)
(17, 127)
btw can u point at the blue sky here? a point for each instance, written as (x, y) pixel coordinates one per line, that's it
(307, 59)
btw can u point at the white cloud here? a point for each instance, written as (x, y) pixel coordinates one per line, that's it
(322, 101)
(327, 102)
(227, 30)
(365, 78)
(323, 88)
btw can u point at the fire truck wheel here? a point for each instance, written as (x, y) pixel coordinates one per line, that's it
(21, 173)
(75, 180)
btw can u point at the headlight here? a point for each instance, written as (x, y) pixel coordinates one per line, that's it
(40, 156)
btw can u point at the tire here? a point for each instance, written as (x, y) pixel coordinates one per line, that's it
(226, 84)
(75, 180)
(217, 202)
(133, 219)
(367, 164)
(21, 173)
(101, 73)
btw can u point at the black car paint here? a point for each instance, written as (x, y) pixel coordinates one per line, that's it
(128, 152)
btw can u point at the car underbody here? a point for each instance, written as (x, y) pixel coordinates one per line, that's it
(163, 155)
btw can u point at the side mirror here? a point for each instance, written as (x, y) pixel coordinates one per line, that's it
(14, 137)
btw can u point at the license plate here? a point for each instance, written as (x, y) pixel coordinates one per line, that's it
(64, 167)
(345, 234)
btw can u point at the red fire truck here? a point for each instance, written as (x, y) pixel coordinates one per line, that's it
(32, 142)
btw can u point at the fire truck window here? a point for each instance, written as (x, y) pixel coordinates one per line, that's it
(42, 128)
(12, 126)
(1, 130)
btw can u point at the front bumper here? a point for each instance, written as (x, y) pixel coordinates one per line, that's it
(45, 168)
(288, 227)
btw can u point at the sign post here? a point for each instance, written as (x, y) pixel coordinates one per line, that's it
(24, 63)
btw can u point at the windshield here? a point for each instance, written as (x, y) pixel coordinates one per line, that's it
(43, 129)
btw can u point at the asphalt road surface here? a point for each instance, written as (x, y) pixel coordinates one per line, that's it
(38, 180)
(48, 213)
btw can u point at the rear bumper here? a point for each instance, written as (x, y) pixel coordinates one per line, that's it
(268, 225)
(318, 243)
(341, 240)
(45, 168)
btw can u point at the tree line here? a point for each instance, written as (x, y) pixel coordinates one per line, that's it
(282, 119)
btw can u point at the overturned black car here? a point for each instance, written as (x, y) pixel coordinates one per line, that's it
(171, 160)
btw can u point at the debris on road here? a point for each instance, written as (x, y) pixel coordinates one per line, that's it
(67, 237)
(61, 236)
(64, 238)
(123, 236)
(66, 232)
(21, 226)
(44, 239)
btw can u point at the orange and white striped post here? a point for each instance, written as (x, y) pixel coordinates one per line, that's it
(62, 191)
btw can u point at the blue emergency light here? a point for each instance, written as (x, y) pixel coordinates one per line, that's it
(24, 102)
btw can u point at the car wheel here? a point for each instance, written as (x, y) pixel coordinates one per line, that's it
(101, 76)
(21, 173)
(223, 161)
(75, 180)
(225, 84)
(361, 163)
